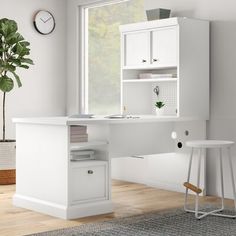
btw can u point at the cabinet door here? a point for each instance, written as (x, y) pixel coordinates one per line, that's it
(164, 47)
(137, 49)
(89, 183)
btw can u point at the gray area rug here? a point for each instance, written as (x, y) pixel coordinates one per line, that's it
(176, 222)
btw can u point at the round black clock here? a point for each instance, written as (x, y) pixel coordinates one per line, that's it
(44, 22)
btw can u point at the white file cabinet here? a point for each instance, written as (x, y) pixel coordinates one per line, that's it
(89, 181)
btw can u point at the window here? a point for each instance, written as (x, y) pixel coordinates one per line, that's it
(102, 54)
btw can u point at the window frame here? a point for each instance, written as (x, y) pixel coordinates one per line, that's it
(83, 49)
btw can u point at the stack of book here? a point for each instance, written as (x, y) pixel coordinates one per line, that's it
(82, 155)
(78, 134)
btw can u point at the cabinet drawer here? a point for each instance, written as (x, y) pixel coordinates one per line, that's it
(89, 182)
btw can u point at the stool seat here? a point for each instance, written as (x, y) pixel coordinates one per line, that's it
(209, 143)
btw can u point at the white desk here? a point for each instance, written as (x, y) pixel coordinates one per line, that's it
(48, 182)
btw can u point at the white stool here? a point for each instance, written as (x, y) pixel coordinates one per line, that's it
(201, 145)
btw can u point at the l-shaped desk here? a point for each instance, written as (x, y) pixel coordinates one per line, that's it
(134, 149)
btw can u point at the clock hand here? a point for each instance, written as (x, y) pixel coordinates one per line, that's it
(48, 19)
(42, 20)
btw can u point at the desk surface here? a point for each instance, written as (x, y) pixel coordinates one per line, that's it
(100, 120)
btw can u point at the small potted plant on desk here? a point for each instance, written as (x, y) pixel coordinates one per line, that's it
(159, 108)
(14, 51)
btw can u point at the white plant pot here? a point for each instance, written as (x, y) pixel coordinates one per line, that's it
(7, 155)
(160, 111)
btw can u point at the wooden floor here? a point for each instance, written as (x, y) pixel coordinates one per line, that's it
(129, 199)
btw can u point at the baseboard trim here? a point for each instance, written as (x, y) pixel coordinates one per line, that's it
(89, 209)
(41, 206)
(61, 211)
(167, 186)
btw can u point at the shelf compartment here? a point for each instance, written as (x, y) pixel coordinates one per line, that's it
(139, 98)
(134, 75)
(84, 145)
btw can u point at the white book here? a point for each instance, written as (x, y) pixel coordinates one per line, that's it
(82, 155)
(163, 76)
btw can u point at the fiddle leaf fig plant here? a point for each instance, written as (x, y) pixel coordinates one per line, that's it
(14, 52)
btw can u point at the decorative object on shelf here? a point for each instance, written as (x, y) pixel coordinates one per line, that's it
(159, 108)
(14, 51)
(159, 13)
(44, 22)
(156, 90)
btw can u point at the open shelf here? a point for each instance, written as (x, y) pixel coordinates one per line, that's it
(150, 80)
(83, 145)
(139, 98)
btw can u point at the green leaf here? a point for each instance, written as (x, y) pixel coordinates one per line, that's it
(19, 48)
(159, 104)
(10, 68)
(25, 43)
(16, 62)
(27, 60)
(6, 84)
(24, 66)
(14, 38)
(3, 50)
(17, 79)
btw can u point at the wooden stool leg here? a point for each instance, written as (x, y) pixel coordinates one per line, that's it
(222, 179)
(188, 179)
(198, 182)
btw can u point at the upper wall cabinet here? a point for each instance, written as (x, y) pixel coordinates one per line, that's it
(154, 48)
(166, 60)
(137, 49)
(164, 47)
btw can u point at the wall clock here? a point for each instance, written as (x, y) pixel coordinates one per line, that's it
(44, 22)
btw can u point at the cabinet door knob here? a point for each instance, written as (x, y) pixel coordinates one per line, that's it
(144, 61)
(155, 60)
(90, 172)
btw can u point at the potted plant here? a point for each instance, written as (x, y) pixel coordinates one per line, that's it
(14, 52)
(159, 108)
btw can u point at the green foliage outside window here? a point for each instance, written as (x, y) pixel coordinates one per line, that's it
(104, 53)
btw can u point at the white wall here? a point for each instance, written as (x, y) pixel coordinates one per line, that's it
(44, 85)
(222, 124)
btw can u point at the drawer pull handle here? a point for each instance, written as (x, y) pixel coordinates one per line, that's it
(90, 172)
(143, 61)
(155, 60)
